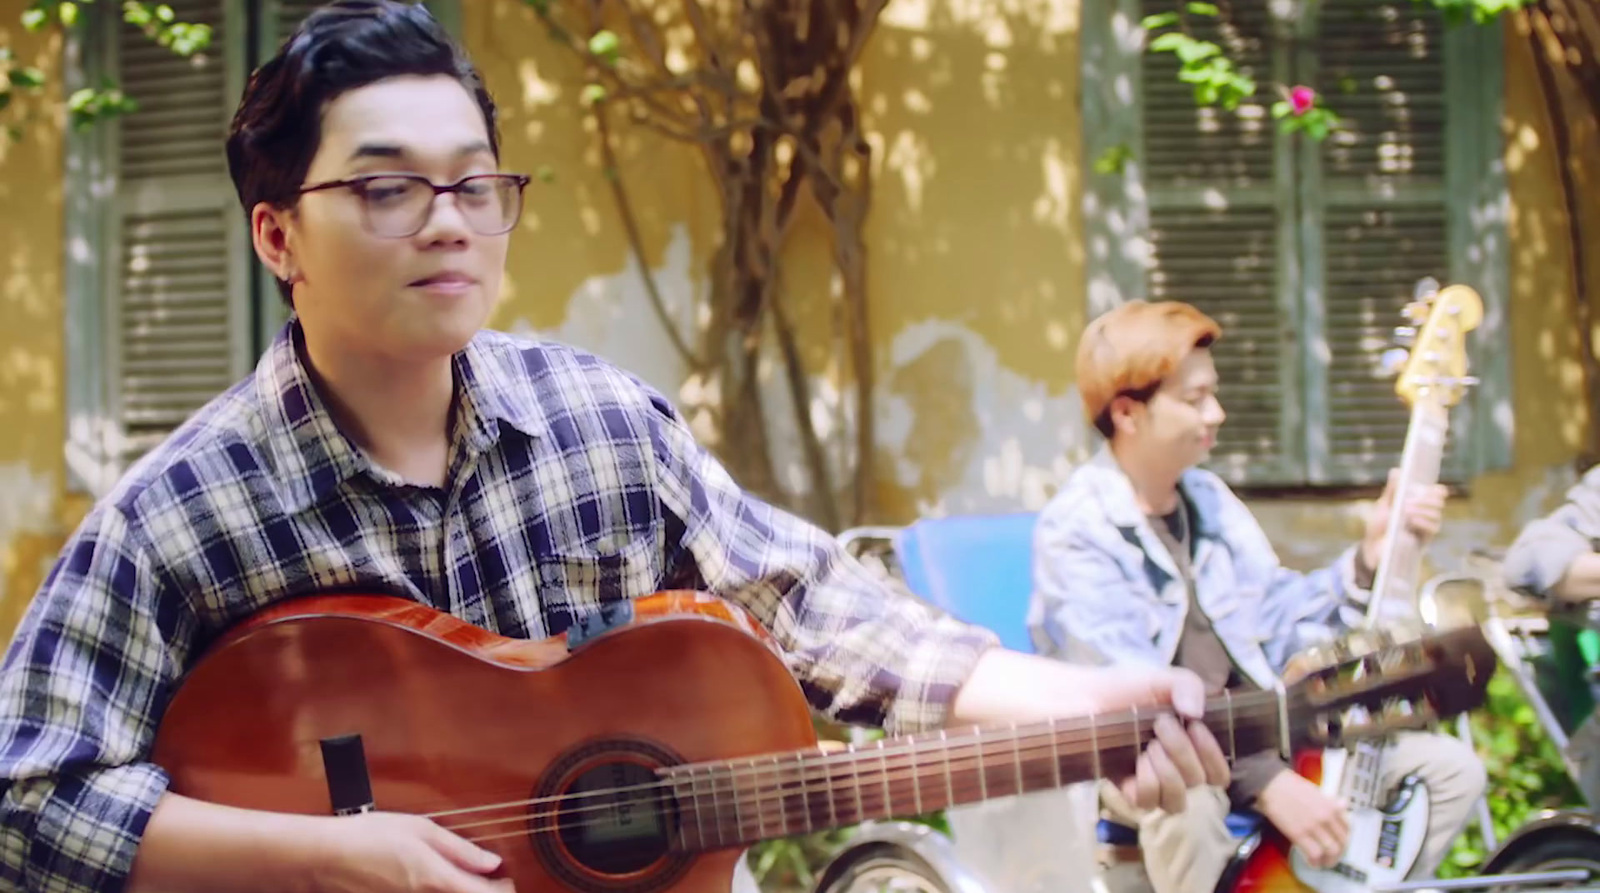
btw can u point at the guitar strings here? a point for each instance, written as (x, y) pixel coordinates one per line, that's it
(977, 737)
(883, 766)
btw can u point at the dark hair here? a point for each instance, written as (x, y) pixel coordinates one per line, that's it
(339, 47)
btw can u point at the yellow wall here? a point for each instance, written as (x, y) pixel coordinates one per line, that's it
(975, 273)
(32, 416)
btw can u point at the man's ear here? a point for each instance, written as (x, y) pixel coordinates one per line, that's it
(1125, 414)
(269, 233)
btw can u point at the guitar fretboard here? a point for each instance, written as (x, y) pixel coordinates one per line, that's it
(739, 802)
(1400, 566)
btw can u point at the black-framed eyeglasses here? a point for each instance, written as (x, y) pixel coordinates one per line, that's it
(397, 206)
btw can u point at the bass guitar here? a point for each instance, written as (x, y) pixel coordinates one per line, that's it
(644, 748)
(1387, 831)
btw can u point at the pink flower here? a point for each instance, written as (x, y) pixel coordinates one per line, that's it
(1301, 99)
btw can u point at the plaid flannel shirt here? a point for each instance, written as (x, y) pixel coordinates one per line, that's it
(570, 483)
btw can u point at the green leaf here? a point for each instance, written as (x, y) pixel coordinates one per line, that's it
(1198, 8)
(27, 77)
(1198, 50)
(1170, 41)
(33, 19)
(1159, 20)
(545, 173)
(5, 99)
(605, 45)
(1280, 109)
(592, 93)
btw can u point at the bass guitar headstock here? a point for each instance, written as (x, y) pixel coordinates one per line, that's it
(1435, 365)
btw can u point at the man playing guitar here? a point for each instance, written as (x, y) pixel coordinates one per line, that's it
(387, 442)
(1143, 559)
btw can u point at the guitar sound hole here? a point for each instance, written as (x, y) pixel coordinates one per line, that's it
(615, 819)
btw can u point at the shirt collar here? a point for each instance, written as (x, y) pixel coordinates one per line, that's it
(1121, 506)
(313, 456)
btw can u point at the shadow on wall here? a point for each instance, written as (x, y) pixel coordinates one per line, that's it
(977, 264)
(32, 386)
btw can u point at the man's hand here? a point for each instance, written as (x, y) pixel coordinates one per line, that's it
(1185, 754)
(395, 852)
(1315, 823)
(1007, 686)
(1424, 514)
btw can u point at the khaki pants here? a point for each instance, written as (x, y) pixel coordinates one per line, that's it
(1187, 852)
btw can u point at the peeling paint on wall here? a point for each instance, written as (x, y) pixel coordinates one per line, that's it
(611, 316)
(964, 433)
(27, 513)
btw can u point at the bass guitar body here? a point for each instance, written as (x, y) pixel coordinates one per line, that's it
(1384, 842)
(340, 704)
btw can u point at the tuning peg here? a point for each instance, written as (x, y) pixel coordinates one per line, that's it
(1405, 336)
(1393, 360)
(1416, 313)
(1426, 287)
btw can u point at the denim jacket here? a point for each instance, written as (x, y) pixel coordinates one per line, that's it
(1106, 590)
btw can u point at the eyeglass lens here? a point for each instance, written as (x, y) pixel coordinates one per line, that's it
(399, 206)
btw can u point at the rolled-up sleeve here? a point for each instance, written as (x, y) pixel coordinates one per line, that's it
(80, 688)
(1546, 548)
(863, 652)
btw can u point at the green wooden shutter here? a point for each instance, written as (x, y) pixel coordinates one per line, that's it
(1222, 238)
(178, 320)
(1375, 222)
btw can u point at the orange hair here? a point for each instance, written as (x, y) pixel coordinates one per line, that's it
(1128, 351)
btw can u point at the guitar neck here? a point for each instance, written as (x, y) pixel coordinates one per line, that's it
(739, 802)
(1400, 563)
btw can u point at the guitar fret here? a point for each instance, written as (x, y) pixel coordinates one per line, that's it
(983, 768)
(677, 801)
(1055, 755)
(716, 802)
(949, 782)
(699, 818)
(1016, 756)
(827, 786)
(888, 798)
(805, 791)
(738, 820)
(783, 805)
(916, 775)
(1233, 748)
(1094, 747)
(855, 771)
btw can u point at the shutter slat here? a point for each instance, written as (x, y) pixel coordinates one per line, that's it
(1374, 257)
(1232, 280)
(1381, 66)
(175, 323)
(182, 111)
(1185, 144)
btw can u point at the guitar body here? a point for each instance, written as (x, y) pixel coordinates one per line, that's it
(1384, 843)
(452, 717)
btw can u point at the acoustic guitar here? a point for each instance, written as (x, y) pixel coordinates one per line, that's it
(644, 748)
